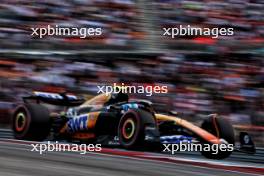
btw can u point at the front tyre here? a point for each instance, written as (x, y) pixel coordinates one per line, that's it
(132, 128)
(223, 130)
(31, 122)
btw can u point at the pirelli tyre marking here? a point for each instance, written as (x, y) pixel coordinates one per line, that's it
(128, 128)
(20, 122)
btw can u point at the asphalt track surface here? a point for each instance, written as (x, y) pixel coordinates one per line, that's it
(17, 159)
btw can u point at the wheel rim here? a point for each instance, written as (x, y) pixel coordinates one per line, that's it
(128, 129)
(20, 121)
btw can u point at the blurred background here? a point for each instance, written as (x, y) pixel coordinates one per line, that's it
(204, 75)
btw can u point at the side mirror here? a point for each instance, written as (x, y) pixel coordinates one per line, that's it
(175, 113)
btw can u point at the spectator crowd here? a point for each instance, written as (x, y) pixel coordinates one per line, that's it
(245, 16)
(120, 27)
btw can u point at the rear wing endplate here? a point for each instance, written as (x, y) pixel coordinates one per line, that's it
(58, 99)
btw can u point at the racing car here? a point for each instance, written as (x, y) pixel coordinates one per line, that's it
(115, 120)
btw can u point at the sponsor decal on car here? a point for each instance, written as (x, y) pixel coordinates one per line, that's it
(54, 95)
(82, 122)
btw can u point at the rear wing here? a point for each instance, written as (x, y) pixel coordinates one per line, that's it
(58, 99)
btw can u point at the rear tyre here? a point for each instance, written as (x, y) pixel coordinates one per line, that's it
(31, 122)
(132, 129)
(223, 130)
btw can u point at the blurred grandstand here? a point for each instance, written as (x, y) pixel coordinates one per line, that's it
(204, 75)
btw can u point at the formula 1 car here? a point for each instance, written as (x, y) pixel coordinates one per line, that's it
(113, 120)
